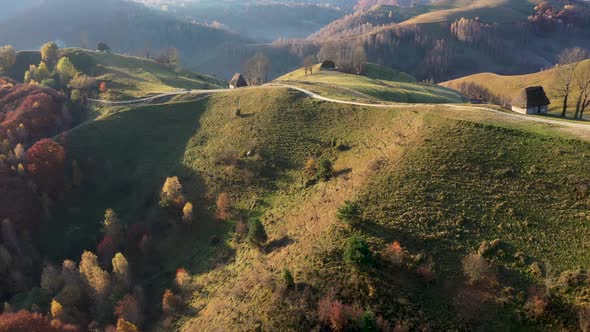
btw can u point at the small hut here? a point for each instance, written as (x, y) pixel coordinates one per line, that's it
(238, 81)
(531, 100)
(328, 65)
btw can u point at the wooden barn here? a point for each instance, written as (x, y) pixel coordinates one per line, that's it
(531, 100)
(238, 81)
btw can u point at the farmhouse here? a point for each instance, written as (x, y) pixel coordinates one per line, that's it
(328, 65)
(531, 100)
(238, 81)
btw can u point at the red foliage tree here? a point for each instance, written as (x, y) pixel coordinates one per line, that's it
(46, 164)
(25, 321)
(103, 87)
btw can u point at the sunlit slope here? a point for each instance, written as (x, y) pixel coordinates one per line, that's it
(436, 183)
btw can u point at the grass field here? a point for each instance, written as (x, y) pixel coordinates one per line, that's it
(510, 86)
(423, 176)
(377, 84)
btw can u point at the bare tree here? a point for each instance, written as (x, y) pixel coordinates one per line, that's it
(308, 63)
(257, 69)
(359, 58)
(7, 57)
(568, 62)
(583, 85)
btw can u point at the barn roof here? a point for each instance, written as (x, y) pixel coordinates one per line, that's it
(533, 96)
(238, 80)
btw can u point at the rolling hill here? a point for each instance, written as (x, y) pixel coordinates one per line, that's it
(442, 182)
(376, 84)
(131, 77)
(508, 87)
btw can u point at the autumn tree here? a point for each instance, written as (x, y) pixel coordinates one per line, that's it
(568, 61)
(129, 308)
(121, 270)
(95, 278)
(182, 279)
(46, 164)
(7, 58)
(25, 321)
(49, 53)
(171, 194)
(258, 69)
(65, 70)
(113, 227)
(187, 212)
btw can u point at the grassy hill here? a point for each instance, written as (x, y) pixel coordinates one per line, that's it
(136, 77)
(376, 84)
(129, 76)
(508, 87)
(440, 185)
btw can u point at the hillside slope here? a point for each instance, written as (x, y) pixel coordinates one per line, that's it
(376, 84)
(128, 76)
(441, 187)
(508, 87)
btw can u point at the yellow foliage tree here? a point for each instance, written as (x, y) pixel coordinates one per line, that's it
(125, 326)
(171, 195)
(57, 310)
(49, 53)
(187, 212)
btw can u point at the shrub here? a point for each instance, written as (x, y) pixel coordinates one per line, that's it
(311, 167)
(325, 169)
(535, 307)
(357, 251)
(288, 279)
(395, 253)
(223, 206)
(478, 269)
(170, 302)
(256, 232)
(350, 212)
(182, 279)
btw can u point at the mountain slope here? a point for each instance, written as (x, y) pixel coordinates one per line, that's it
(124, 26)
(441, 187)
